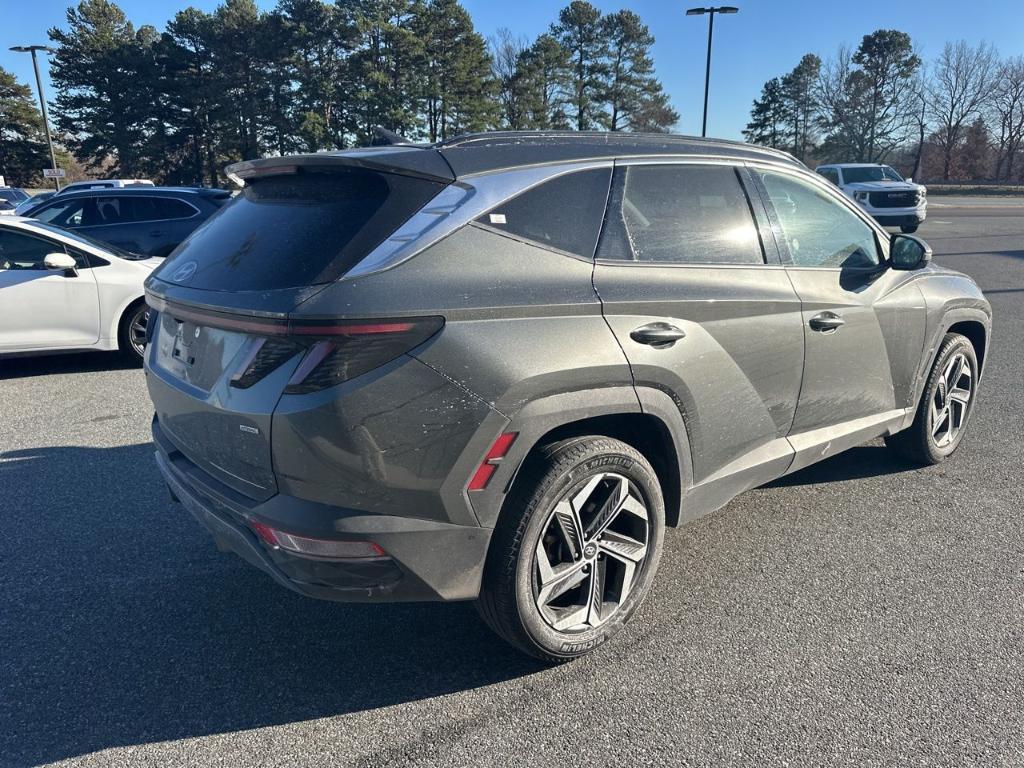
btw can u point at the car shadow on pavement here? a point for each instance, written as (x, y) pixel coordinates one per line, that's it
(123, 625)
(72, 362)
(853, 464)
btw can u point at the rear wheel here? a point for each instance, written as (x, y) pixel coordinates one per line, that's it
(131, 335)
(576, 548)
(945, 407)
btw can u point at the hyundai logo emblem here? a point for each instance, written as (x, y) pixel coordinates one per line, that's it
(185, 271)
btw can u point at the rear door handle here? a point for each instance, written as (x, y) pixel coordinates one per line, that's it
(826, 322)
(657, 335)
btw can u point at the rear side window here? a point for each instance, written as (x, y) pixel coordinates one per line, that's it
(302, 229)
(563, 213)
(146, 208)
(680, 214)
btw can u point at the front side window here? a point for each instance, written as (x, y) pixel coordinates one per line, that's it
(831, 174)
(18, 251)
(819, 230)
(563, 213)
(680, 214)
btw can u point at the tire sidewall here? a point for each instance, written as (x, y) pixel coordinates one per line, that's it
(125, 340)
(564, 645)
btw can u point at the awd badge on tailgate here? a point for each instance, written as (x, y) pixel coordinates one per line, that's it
(250, 430)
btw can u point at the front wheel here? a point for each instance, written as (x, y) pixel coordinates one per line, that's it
(908, 229)
(945, 407)
(576, 548)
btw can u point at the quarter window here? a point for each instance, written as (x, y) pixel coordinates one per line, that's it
(680, 214)
(563, 213)
(819, 230)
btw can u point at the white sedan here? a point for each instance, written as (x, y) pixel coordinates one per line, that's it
(60, 291)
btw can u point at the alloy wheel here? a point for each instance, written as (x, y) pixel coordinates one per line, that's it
(590, 553)
(137, 330)
(950, 401)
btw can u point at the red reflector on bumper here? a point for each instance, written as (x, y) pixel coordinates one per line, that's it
(327, 548)
(489, 465)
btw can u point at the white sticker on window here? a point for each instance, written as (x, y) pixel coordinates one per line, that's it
(497, 218)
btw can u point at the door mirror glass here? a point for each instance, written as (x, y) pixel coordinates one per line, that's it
(910, 179)
(59, 261)
(909, 252)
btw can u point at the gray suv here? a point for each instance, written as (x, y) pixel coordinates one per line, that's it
(496, 368)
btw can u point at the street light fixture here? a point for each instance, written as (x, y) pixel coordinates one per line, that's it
(707, 72)
(42, 101)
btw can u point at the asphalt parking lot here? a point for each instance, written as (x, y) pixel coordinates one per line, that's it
(859, 612)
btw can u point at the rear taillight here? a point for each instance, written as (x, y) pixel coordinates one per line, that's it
(333, 351)
(310, 547)
(339, 351)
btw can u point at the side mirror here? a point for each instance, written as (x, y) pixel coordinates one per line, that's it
(910, 179)
(61, 261)
(909, 252)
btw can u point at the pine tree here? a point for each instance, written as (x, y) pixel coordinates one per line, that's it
(23, 150)
(801, 105)
(459, 93)
(580, 32)
(104, 74)
(768, 116)
(544, 83)
(636, 100)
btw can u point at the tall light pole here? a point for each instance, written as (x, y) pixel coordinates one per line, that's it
(42, 100)
(707, 72)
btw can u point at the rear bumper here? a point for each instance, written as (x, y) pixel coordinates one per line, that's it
(426, 560)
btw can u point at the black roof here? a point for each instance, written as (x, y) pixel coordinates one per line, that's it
(496, 150)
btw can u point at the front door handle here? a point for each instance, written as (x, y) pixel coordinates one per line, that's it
(826, 322)
(657, 335)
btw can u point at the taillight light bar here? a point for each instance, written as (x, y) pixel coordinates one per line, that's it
(489, 465)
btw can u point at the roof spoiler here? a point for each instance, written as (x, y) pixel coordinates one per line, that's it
(404, 160)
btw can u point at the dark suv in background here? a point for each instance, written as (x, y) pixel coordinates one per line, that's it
(496, 368)
(146, 220)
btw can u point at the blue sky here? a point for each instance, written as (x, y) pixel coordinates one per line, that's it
(765, 39)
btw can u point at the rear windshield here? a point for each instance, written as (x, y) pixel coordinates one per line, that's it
(297, 230)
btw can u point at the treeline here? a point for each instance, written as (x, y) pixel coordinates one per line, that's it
(960, 116)
(178, 104)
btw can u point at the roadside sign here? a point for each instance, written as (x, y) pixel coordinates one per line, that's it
(53, 173)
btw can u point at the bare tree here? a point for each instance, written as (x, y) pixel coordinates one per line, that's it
(959, 88)
(1008, 110)
(505, 52)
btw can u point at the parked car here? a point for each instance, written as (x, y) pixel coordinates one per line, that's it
(148, 220)
(61, 291)
(497, 368)
(78, 186)
(10, 197)
(25, 206)
(883, 193)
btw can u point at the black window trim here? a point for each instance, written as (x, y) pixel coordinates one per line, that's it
(814, 179)
(770, 252)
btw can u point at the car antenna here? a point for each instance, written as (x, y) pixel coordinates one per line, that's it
(382, 137)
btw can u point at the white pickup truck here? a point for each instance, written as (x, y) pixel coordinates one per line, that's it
(883, 193)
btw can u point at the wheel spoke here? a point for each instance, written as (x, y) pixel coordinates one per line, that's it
(622, 547)
(571, 528)
(595, 615)
(960, 395)
(569, 618)
(562, 579)
(938, 420)
(609, 510)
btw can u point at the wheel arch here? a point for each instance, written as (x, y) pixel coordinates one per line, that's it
(976, 333)
(614, 412)
(122, 315)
